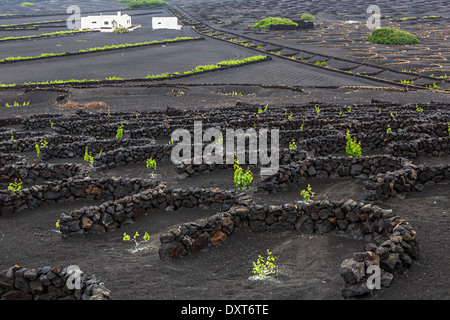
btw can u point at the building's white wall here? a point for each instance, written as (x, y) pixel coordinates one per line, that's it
(97, 22)
(165, 23)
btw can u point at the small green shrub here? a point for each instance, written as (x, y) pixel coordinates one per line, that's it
(38, 145)
(145, 238)
(353, 148)
(119, 132)
(151, 164)
(15, 186)
(242, 180)
(264, 268)
(292, 145)
(317, 109)
(307, 194)
(88, 156)
(121, 30)
(307, 16)
(267, 22)
(392, 36)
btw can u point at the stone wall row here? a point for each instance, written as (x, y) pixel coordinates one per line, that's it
(50, 283)
(70, 190)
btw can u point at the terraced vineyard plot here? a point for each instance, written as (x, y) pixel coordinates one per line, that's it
(126, 193)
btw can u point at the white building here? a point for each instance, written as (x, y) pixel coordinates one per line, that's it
(165, 23)
(106, 23)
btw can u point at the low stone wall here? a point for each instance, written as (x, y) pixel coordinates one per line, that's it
(11, 158)
(49, 283)
(407, 179)
(71, 190)
(130, 155)
(6, 135)
(391, 241)
(290, 175)
(183, 171)
(30, 174)
(28, 144)
(424, 146)
(78, 148)
(112, 215)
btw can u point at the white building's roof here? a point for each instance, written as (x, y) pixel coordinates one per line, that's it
(109, 16)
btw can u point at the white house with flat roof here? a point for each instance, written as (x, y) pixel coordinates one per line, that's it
(165, 23)
(106, 23)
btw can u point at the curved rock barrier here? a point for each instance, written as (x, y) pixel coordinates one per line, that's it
(290, 175)
(425, 146)
(407, 179)
(11, 158)
(111, 215)
(30, 174)
(50, 283)
(391, 241)
(71, 190)
(78, 148)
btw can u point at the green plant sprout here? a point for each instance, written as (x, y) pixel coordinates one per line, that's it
(171, 141)
(340, 112)
(265, 109)
(119, 132)
(419, 109)
(389, 130)
(15, 186)
(51, 123)
(262, 268)
(292, 145)
(307, 194)
(448, 130)
(12, 136)
(88, 156)
(352, 148)
(220, 139)
(379, 110)
(349, 109)
(145, 239)
(57, 225)
(302, 126)
(394, 115)
(242, 180)
(317, 109)
(289, 116)
(38, 145)
(151, 164)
